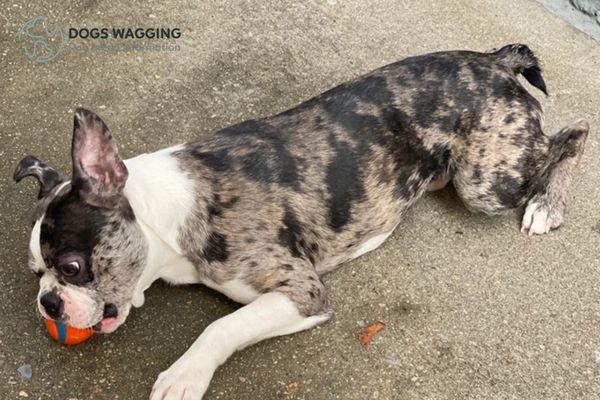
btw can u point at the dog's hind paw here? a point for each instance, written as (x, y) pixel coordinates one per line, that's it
(539, 219)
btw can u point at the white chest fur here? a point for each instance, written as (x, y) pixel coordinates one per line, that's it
(235, 289)
(162, 197)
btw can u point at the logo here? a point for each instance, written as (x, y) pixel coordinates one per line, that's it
(38, 42)
(41, 41)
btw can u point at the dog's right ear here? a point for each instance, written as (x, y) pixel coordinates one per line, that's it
(99, 174)
(47, 176)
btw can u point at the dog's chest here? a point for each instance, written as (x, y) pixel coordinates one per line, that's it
(235, 289)
(180, 272)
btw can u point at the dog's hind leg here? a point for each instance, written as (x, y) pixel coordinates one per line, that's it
(506, 168)
(495, 170)
(545, 209)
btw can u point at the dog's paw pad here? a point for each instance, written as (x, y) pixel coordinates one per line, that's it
(538, 220)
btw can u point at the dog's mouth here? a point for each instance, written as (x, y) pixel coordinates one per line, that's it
(107, 325)
(110, 319)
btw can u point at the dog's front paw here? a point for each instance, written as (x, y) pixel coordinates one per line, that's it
(539, 219)
(182, 381)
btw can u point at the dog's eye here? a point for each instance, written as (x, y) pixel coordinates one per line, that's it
(70, 269)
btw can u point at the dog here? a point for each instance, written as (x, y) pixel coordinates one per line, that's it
(259, 211)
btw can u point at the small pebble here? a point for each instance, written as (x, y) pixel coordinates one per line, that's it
(23, 393)
(25, 371)
(391, 361)
(329, 380)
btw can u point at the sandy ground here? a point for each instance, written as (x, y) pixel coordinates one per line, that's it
(474, 309)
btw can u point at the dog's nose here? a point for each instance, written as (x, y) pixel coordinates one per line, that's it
(52, 304)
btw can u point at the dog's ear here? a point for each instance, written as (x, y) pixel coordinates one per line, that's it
(99, 174)
(47, 176)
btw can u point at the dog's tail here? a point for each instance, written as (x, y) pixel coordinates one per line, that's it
(521, 60)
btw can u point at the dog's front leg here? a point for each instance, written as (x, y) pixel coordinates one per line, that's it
(272, 314)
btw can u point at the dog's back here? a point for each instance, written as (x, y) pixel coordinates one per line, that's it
(339, 169)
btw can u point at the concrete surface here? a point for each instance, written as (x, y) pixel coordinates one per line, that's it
(585, 17)
(474, 309)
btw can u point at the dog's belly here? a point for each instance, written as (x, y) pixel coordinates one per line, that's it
(348, 251)
(371, 244)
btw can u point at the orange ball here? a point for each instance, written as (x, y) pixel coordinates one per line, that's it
(66, 334)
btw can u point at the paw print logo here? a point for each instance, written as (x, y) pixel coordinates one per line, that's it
(40, 41)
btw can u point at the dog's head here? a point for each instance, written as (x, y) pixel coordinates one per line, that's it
(85, 244)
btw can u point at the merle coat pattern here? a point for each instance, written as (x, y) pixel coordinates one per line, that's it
(267, 206)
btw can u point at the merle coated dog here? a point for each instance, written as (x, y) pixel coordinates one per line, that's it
(261, 210)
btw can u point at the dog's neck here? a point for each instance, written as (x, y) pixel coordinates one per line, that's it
(161, 196)
(159, 193)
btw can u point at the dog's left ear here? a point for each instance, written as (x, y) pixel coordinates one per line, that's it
(99, 174)
(47, 176)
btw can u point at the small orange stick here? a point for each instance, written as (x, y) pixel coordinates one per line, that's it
(366, 335)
